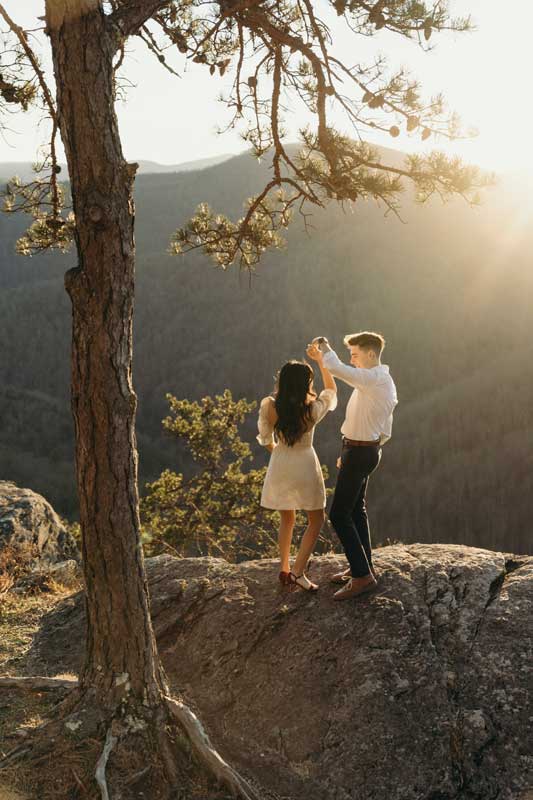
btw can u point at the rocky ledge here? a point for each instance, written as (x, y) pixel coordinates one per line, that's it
(421, 691)
(29, 524)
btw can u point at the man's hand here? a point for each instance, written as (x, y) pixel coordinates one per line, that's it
(322, 343)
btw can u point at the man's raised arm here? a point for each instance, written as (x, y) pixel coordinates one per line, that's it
(353, 376)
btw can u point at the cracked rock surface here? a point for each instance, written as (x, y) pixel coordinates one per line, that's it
(421, 691)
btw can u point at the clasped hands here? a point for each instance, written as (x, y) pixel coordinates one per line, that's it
(314, 350)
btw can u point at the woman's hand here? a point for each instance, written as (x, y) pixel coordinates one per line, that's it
(314, 353)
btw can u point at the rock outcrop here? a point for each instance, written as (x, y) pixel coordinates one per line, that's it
(30, 524)
(421, 691)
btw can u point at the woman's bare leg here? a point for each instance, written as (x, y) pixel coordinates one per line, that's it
(286, 527)
(315, 520)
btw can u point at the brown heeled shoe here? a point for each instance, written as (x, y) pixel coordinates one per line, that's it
(302, 582)
(284, 581)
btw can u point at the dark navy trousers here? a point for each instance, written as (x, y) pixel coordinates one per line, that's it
(348, 511)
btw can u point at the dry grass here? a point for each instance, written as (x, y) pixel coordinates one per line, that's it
(57, 775)
(15, 561)
(21, 711)
(20, 616)
(10, 794)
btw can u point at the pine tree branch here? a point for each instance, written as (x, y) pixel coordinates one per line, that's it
(32, 58)
(130, 17)
(49, 102)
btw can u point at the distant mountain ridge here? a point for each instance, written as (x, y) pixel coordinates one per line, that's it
(152, 167)
(147, 167)
(24, 170)
(449, 287)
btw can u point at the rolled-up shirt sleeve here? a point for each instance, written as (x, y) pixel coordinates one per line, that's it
(353, 376)
(265, 424)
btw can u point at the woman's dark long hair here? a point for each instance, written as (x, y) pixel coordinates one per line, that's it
(293, 410)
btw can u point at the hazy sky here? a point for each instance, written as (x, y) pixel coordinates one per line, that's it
(484, 75)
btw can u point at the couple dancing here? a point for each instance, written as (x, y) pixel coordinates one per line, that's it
(294, 478)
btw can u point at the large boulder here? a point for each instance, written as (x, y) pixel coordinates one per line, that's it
(30, 526)
(421, 691)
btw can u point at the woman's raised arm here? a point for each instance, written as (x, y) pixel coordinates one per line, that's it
(317, 355)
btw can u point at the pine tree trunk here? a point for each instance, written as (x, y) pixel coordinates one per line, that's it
(122, 691)
(121, 652)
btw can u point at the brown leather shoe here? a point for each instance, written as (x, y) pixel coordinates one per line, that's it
(341, 577)
(355, 587)
(344, 577)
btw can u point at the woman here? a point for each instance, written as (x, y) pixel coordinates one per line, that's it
(294, 476)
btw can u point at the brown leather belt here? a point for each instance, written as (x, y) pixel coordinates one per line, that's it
(356, 443)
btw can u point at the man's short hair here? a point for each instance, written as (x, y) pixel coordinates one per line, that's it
(366, 340)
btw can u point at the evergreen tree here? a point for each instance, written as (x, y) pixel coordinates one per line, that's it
(216, 511)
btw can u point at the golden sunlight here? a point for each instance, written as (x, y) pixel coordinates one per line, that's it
(485, 77)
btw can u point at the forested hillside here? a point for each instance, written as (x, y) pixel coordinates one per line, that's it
(448, 286)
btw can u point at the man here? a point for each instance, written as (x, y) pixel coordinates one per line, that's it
(367, 426)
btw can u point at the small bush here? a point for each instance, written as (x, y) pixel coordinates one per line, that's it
(16, 560)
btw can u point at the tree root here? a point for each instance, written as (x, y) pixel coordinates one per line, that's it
(208, 758)
(110, 741)
(207, 755)
(38, 684)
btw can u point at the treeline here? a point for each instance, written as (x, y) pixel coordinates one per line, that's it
(449, 289)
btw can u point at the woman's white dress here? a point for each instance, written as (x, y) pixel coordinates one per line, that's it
(294, 476)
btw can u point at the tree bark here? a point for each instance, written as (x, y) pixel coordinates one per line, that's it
(121, 655)
(122, 688)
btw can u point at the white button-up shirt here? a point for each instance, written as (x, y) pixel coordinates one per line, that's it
(369, 410)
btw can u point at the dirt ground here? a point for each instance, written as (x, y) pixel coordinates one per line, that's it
(20, 711)
(10, 794)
